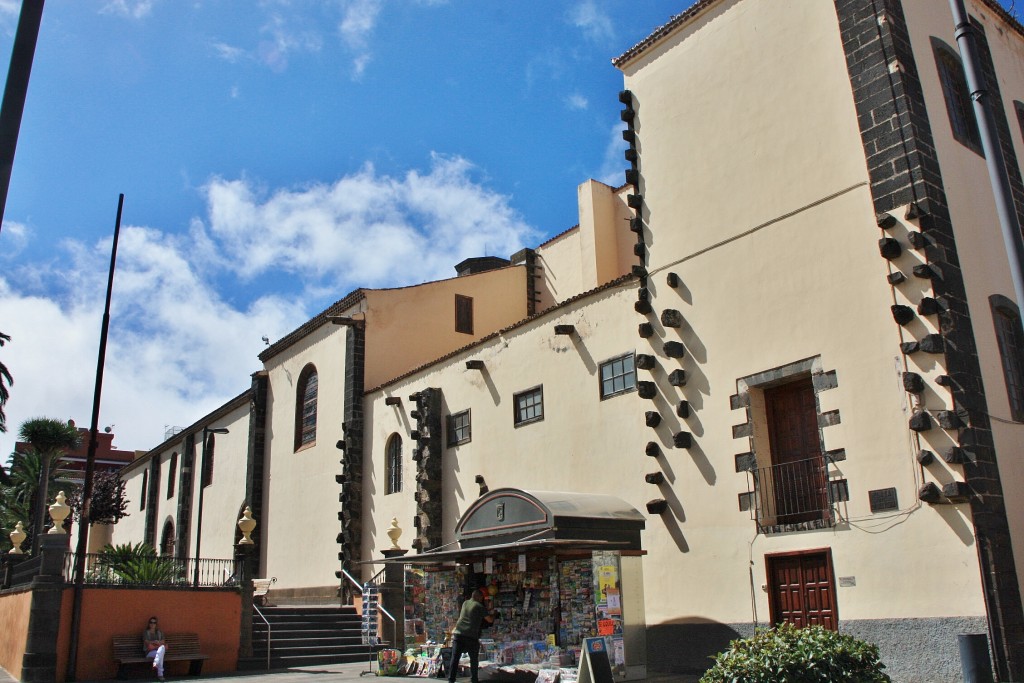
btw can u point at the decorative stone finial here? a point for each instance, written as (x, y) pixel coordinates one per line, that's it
(58, 513)
(246, 524)
(17, 538)
(393, 532)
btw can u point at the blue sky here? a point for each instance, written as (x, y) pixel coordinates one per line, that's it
(274, 155)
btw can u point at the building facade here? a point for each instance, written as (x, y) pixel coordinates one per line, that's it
(790, 340)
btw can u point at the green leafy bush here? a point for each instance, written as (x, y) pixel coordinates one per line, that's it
(137, 564)
(787, 654)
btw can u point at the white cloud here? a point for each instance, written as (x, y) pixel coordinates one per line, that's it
(596, 25)
(229, 53)
(14, 237)
(281, 40)
(175, 351)
(577, 101)
(356, 29)
(178, 349)
(613, 165)
(364, 229)
(136, 9)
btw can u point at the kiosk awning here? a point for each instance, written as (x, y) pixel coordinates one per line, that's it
(515, 520)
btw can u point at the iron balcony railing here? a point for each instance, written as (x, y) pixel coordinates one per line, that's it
(183, 572)
(794, 493)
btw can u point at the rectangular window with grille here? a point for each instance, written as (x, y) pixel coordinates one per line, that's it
(459, 428)
(618, 376)
(529, 406)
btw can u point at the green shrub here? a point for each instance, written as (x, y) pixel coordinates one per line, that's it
(787, 654)
(137, 564)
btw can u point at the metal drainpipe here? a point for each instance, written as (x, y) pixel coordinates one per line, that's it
(967, 42)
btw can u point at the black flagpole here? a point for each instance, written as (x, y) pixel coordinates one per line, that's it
(90, 464)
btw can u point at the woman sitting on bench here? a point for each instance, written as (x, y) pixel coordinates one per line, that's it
(154, 647)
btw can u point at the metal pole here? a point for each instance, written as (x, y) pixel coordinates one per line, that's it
(90, 462)
(199, 510)
(967, 42)
(16, 90)
(207, 432)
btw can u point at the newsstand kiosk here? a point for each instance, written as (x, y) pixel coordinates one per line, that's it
(557, 567)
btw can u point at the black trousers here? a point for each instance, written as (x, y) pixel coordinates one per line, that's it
(471, 646)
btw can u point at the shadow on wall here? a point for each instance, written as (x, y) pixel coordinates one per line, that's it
(687, 645)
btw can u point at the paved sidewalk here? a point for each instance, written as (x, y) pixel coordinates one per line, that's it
(322, 674)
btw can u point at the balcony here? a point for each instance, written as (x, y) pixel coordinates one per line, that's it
(794, 496)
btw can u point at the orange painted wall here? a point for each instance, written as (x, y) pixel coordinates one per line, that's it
(14, 610)
(216, 615)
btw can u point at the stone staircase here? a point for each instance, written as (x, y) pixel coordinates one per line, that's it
(307, 635)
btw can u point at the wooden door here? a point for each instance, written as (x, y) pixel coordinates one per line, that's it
(802, 589)
(798, 473)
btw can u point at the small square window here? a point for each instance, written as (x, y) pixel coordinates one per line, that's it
(529, 406)
(463, 314)
(459, 430)
(618, 376)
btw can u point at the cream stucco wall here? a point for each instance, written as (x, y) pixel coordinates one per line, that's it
(426, 313)
(755, 189)
(223, 498)
(729, 139)
(586, 444)
(562, 277)
(980, 247)
(131, 529)
(300, 495)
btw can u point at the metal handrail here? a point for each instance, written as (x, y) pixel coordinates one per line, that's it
(352, 580)
(377, 579)
(268, 632)
(394, 624)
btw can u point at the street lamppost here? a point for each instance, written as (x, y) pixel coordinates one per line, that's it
(207, 433)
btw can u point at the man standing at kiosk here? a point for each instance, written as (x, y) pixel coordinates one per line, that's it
(466, 635)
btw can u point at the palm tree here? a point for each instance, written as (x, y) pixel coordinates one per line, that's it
(48, 440)
(5, 382)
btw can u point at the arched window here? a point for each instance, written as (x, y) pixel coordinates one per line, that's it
(305, 407)
(393, 465)
(145, 489)
(957, 95)
(167, 539)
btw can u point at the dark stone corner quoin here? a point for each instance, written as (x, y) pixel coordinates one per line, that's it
(899, 150)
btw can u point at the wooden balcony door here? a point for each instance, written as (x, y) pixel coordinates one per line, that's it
(799, 485)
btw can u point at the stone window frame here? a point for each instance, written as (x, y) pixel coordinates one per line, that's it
(519, 404)
(454, 428)
(306, 407)
(749, 396)
(957, 96)
(630, 373)
(393, 464)
(172, 467)
(1010, 340)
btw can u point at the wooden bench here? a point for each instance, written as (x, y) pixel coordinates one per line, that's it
(180, 647)
(260, 589)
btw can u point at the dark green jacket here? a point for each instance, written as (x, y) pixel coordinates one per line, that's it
(471, 617)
